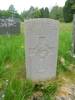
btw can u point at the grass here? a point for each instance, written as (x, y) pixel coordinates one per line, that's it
(65, 39)
(11, 63)
(13, 85)
(11, 53)
(65, 46)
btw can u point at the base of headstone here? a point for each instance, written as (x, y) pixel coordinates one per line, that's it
(43, 81)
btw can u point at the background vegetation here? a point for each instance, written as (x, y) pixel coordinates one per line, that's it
(13, 85)
(63, 14)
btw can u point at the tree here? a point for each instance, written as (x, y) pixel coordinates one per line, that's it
(31, 13)
(12, 9)
(36, 13)
(4, 14)
(57, 13)
(12, 12)
(46, 13)
(42, 15)
(69, 10)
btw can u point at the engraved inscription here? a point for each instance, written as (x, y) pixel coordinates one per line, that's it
(41, 49)
(41, 56)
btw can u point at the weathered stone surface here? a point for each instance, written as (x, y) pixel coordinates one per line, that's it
(9, 26)
(41, 48)
(73, 35)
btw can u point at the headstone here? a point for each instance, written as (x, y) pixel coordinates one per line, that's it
(41, 37)
(9, 26)
(73, 35)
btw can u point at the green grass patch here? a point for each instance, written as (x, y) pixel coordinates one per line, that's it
(13, 85)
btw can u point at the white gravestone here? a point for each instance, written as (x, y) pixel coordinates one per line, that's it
(41, 48)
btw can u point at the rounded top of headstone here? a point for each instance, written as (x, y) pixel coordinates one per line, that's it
(41, 25)
(41, 19)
